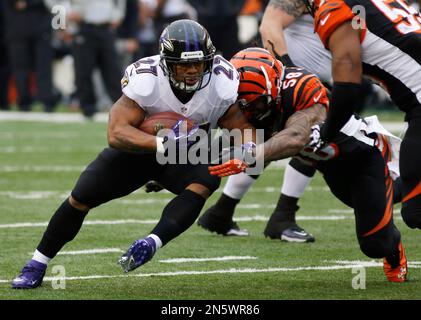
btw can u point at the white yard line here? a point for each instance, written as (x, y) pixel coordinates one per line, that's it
(38, 149)
(355, 262)
(45, 194)
(33, 195)
(172, 260)
(58, 117)
(90, 251)
(23, 225)
(42, 168)
(226, 258)
(340, 211)
(367, 264)
(50, 117)
(154, 221)
(87, 222)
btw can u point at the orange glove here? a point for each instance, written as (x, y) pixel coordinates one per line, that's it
(228, 168)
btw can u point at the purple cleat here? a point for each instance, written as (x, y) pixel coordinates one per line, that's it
(31, 276)
(140, 252)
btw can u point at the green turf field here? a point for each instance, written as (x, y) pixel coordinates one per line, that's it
(39, 164)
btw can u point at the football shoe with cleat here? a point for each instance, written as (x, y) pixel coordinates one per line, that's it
(140, 252)
(227, 227)
(289, 233)
(31, 276)
(397, 273)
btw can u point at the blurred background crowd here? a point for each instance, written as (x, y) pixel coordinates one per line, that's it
(79, 66)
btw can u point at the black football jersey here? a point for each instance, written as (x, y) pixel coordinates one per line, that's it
(390, 43)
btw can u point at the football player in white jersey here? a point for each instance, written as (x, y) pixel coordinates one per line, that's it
(287, 31)
(186, 78)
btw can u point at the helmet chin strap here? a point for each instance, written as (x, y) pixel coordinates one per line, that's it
(181, 85)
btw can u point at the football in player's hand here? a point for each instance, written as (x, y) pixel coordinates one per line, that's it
(163, 120)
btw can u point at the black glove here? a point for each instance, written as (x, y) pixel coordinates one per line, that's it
(286, 60)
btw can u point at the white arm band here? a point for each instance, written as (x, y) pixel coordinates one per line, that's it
(160, 145)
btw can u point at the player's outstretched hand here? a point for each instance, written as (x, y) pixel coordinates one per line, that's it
(228, 168)
(239, 159)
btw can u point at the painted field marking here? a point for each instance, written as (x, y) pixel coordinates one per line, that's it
(90, 251)
(154, 221)
(226, 258)
(367, 264)
(47, 194)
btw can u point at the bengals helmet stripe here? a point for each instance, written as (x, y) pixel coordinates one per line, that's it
(269, 63)
(261, 78)
(260, 74)
(256, 49)
(241, 70)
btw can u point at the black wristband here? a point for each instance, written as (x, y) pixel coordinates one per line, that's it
(286, 60)
(345, 98)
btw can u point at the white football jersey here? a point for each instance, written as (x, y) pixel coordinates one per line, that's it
(305, 48)
(146, 83)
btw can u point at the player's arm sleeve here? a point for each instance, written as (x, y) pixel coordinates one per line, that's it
(347, 73)
(331, 15)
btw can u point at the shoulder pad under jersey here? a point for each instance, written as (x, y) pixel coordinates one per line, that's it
(141, 81)
(224, 83)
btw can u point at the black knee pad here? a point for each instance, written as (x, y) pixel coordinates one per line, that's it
(305, 169)
(374, 247)
(200, 174)
(397, 190)
(211, 182)
(411, 216)
(87, 190)
(381, 244)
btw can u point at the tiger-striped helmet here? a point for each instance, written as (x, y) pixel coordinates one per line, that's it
(261, 77)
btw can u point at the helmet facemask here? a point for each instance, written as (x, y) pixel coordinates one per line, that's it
(260, 111)
(181, 82)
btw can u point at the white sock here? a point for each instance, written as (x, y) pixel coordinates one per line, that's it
(237, 185)
(294, 182)
(38, 256)
(157, 240)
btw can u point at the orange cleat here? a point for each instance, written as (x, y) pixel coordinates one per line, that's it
(399, 273)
